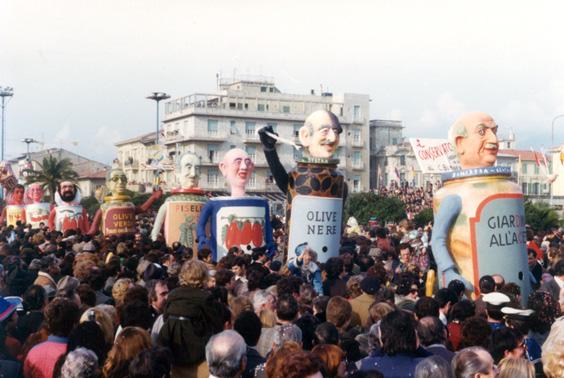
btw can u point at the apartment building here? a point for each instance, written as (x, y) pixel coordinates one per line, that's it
(210, 124)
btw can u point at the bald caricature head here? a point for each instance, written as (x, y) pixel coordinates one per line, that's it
(320, 134)
(474, 137)
(237, 168)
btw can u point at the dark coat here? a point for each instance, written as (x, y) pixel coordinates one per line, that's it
(254, 359)
(191, 316)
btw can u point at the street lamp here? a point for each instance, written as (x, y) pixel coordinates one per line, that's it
(157, 97)
(28, 141)
(552, 134)
(5, 93)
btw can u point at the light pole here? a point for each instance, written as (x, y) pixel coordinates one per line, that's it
(28, 141)
(552, 130)
(157, 97)
(5, 93)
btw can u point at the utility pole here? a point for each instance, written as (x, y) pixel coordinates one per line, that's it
(28, 141)
(158, 97)
(6, 93)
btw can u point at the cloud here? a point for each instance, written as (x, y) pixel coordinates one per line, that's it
(445, 110)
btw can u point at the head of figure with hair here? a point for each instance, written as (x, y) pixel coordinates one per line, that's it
(339, 312)
(427, 306)
(473, 362)
(237, 168)
(151, 363)
(116, 181)
(320, 134)
(398, 333)
(546, 310)
(34, 193)
(67, 190)
(194, 273)
(286, 308)
(506, 342)
(476, 332)
(226, 354)
(486, 284)
(279, 357)
(431, 330)
(553, 351)
(16, 197)
(248, 325)
(474, 137)
(80, 363)
(61, 315)
(89, 335)
(128, 344)
(432, 367)
(188, 170)
(515, 368)
(333, 360)
(327, 333)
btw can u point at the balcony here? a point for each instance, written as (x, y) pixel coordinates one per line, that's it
(251, 138)
(207, 136)
(130, 164)
(357, 165)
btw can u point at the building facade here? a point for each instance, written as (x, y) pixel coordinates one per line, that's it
(210, 124)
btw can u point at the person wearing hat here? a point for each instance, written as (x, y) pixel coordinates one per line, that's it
(494, 303)
(519, 319)
(360, 305)
(47, 269)
(304, 265)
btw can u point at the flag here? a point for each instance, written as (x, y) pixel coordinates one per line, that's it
(536, 157)
(397, 173)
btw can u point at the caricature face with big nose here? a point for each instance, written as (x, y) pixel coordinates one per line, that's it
(320, 134)
(237, 168)
(189, 174)
(479, 148)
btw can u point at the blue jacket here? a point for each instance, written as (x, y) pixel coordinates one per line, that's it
(311, 275)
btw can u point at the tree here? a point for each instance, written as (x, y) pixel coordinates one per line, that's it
(540, 216)
(362, 206)
(50, 173)
(423, 218)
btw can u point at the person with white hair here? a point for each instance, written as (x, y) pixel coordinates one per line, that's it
(226, 355)
(80, 363)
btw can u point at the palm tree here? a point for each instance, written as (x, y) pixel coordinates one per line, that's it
(50, 173)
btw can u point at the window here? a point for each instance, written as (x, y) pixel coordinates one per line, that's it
(260, 107)
(402, 160)
(252, 152)
(356, 113)
(356, 159)
(285, 109)
(233, 128)
(386, 161)
(356, 136)
(213, 176)
(297, 127)
(232, 105)
(394, 141)
(250, 128)
(524, 169)
(253, 180)
(402, 177)
(536, 188)
(212, 126)
(297, 154)
(273, 125)
(356, 184)
(212, 153)
(263, 89)
(536, 169)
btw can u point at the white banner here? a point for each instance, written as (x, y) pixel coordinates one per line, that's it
(434, 155)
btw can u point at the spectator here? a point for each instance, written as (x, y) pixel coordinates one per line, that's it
(334, 284)
(191, 317)
(88, 335)
(494, 303)
(460, 312)
(399, 355)
(226, 354)
(61, 316)
(519, 320)
(158, 293)
(546, 310)
(426, 306)
(34, 302)
(248, 325)
(339, 313)
(486, 285)
(80, 363)
(130, 342)
(285, 330)
(555, 285)
(446, 299)
(305, 266)
(475, 332)
(361, 304)
(151, 363)
(458, 288)
(433, 367)
(332, 358)
(473, 362)
(506, 343)
(535, 268)
(515, 368)
(301, 365)
(275, 362)
(433, 336)
(553, 351)
(499, 281)
(326, 333)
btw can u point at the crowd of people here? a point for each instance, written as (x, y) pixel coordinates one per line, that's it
(415, 198)
(77, 306)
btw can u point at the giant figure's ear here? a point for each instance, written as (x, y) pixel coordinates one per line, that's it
(304, 136)
(459, 148)
(223, 168)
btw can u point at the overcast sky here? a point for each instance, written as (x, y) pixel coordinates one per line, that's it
(81, 69)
